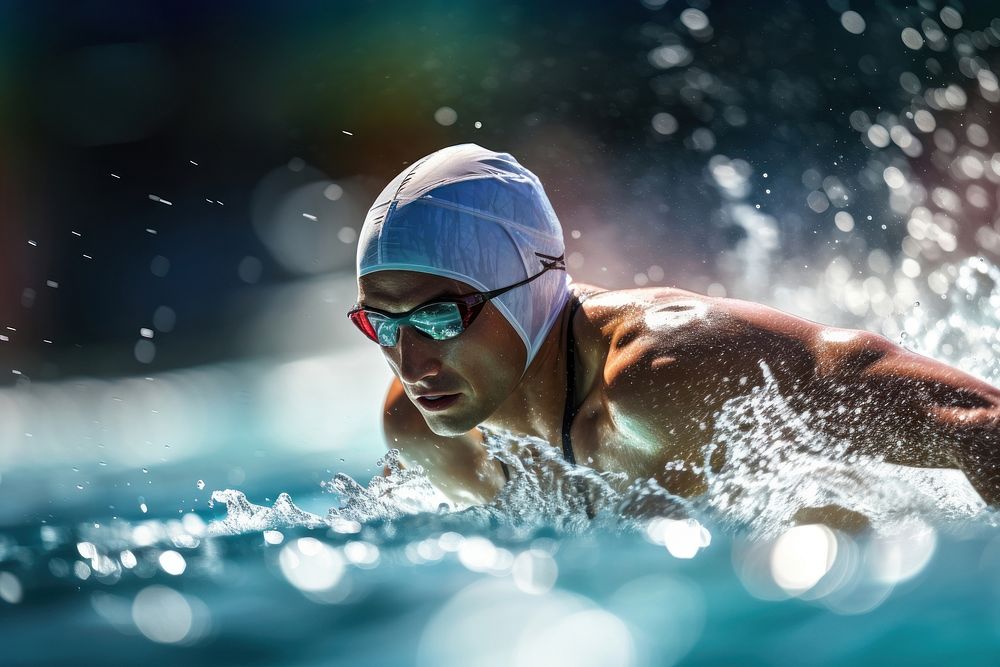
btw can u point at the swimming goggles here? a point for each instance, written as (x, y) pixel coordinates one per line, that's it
(439, 319)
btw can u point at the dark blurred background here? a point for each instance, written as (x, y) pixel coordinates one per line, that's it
(249, 117)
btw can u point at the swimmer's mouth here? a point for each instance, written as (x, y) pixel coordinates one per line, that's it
(437, 402)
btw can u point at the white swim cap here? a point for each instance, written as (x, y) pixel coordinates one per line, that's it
(477, 216)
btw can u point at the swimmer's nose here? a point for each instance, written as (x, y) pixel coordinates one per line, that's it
(414, 358)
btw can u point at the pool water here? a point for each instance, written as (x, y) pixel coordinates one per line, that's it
(436, 590)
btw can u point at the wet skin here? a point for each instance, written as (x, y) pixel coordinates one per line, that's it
(653, 367)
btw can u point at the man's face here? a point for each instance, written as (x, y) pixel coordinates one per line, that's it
(483, 363)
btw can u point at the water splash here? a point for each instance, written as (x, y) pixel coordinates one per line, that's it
(778, 465)
(545, 492)
(962, 329)
(243, 516)
(398, 492)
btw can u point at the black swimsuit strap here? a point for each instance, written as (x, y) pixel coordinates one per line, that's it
(570, 411)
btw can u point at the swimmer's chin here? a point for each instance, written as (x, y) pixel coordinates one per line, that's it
(449, 428)
(451, 425)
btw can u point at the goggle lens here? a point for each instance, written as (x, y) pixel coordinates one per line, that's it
(360, 319)
(439, 321)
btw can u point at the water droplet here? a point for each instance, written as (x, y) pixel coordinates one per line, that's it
(201, 484)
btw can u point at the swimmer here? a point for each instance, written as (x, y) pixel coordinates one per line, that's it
(463, 285)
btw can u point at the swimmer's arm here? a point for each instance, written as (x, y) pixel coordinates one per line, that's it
(880, 397)
(459, 467)
(912, 409)
(668, 385)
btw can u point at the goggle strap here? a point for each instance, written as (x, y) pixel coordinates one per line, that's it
(554, 262)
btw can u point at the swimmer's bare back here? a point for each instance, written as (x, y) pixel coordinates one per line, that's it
(658, 364)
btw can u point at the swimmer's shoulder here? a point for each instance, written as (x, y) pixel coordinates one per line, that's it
(624, 319)
(669, 316)
(627, 336)
(660, 335)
